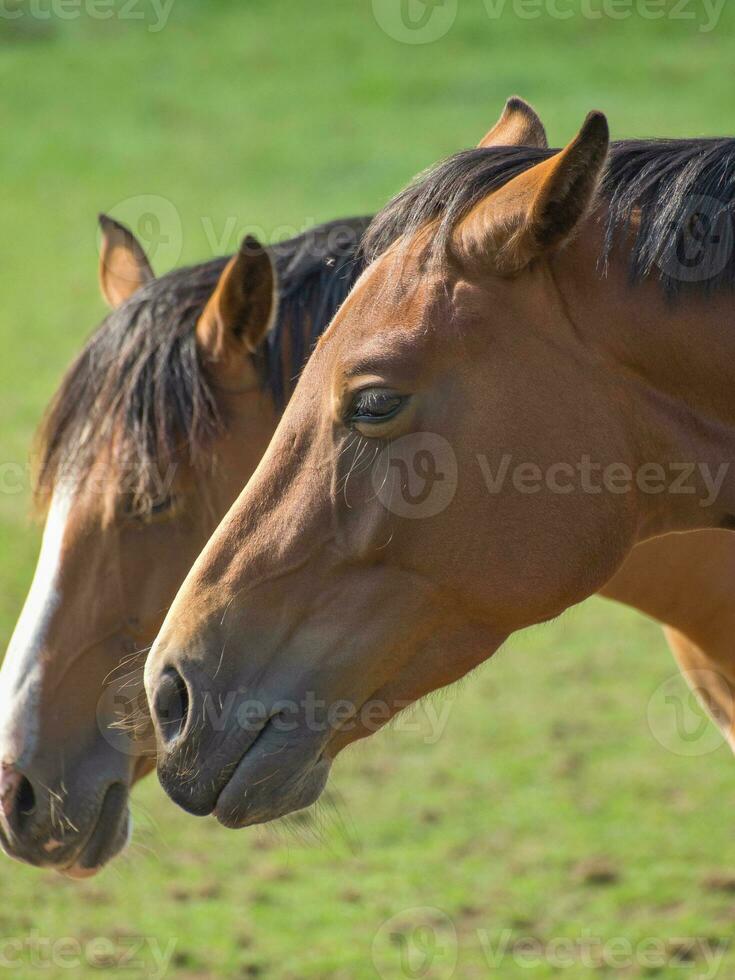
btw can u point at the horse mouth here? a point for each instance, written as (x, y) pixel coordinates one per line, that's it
(273, 772)
(256, 794)
(108, 836)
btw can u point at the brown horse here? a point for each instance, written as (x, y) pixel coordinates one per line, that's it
(156, 427)
(523, 303)
(188, 425)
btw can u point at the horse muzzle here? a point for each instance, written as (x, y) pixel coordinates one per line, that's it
(247, 758)
(51, 828)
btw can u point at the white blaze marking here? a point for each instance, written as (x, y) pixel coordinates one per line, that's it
(21, 673)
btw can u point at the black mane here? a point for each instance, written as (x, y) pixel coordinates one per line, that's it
(678, 187)
(138, 394)
(315, 272)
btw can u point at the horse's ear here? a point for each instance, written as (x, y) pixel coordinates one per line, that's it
(240, 310)
(519, 125)
(538, 210)
(124, 267)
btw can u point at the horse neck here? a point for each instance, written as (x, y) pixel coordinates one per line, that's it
(672, 359)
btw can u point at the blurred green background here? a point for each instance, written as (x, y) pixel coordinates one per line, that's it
(558, 802)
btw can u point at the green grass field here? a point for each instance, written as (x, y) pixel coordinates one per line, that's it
(558, 826)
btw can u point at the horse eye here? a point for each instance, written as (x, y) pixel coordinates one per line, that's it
(375, 405)
(142, 515)
(161, 506)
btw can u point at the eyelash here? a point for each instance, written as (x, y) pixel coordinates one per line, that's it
(366, 402)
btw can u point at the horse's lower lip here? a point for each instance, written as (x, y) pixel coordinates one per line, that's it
(237, 808)
(107, 837)
(273, 777)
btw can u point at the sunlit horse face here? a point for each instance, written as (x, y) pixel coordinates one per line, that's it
(125, 521)
(378, 553)
(319, 585)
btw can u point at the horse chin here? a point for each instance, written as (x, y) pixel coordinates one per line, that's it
(78, 873)
(243, 803)
(277, 774)
(110, 835)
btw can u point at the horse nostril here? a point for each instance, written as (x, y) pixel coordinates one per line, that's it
(171, 704)
(26, 799)
(17, 797)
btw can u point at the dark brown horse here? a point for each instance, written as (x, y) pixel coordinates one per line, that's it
(520, 302)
